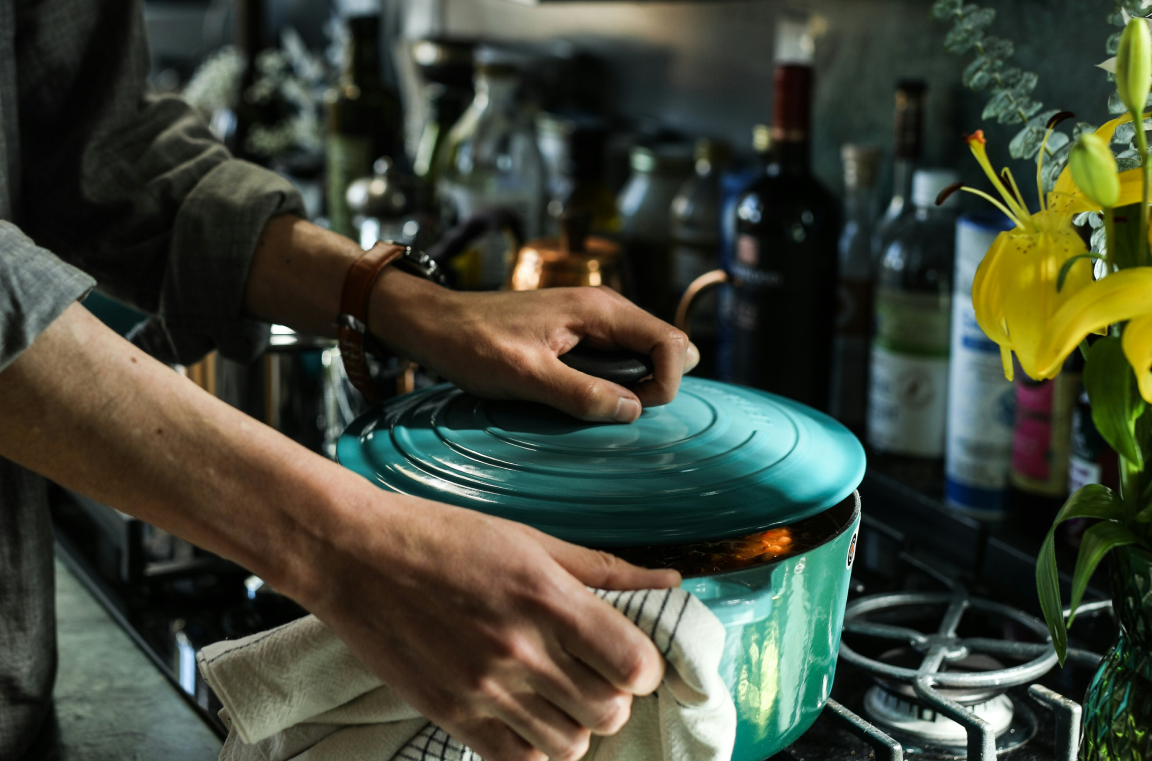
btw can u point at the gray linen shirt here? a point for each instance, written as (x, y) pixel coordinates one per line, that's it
(102, 183)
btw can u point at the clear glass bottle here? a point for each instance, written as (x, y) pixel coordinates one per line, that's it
(363, 119)
(573, 147)
(644, 205)
(491, 162)
(908, 388)
(446, 68)
(849, 395)
(695, 232)
(907, 154)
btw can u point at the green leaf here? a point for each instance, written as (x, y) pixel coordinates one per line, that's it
(1097, 542)
(1081, 128)
(1057, 141)
(1025, 109)
(1128, 244)
(978, 74)
(943, 10)
(977, 17)
(1067, 267)
(961, 38)
(999, 104)
(1115, 105)
(1091, 501)
(1124, 163)
(1085, 218)
(997, 48)
(1007, 78)
(1116, 404)
(1025, 84)
(1027, 142)
(1113, 43)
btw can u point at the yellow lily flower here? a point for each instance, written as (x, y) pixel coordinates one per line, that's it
(1123, 295)
(1137, 345)
(1014, 292)
(1066, 197)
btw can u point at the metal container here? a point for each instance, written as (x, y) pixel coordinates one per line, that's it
(298, 386)
(573, 259)
(719, 463)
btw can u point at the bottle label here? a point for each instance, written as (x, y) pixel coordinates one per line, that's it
(349, 159)
(746, 269)
(981, 408)
(1083, 472)
(906, 406)
(907, 401)
(1042, 435)
(913, 323)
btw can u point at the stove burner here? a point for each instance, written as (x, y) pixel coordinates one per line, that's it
(911, 720)
(942, 656)
(895, 706)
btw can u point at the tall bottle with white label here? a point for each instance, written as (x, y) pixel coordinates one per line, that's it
(854, 290)
(981, 401)
(908, 390)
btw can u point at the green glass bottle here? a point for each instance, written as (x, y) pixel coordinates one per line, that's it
(363, 119)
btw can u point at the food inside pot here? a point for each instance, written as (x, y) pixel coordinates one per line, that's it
(704, 558)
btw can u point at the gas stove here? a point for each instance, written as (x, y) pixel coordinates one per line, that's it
(943, 656)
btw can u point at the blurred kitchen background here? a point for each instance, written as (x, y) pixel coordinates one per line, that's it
(763, 173)
(565, 143)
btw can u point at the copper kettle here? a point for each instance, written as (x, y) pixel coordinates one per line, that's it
(574, 258)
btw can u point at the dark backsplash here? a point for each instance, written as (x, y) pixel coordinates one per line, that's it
(706, 67)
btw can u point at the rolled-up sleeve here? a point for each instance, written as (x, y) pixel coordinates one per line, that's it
(132, 187)
(201, 300)
(35, 287)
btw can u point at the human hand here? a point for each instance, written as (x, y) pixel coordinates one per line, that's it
(485, 626)
(504, 344)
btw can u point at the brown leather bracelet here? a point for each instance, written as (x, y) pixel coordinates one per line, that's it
(352, 321)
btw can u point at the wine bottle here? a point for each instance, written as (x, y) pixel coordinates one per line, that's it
(363, 118)
(907, 153)
(784, 269)
(854, 292)
(908, 387)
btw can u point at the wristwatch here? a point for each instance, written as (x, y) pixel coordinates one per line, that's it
(352, 321)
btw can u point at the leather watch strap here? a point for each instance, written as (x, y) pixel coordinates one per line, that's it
(353, 319)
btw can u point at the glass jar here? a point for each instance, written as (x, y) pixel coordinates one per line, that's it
(644, 205)
(491, 162)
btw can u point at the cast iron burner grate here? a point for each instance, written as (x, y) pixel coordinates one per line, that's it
(958, 678)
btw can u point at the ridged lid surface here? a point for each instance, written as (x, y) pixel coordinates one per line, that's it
(719, 461)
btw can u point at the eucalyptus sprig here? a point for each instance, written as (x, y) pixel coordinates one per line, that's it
(1012, 100)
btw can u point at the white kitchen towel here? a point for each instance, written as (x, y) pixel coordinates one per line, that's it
(296, 693)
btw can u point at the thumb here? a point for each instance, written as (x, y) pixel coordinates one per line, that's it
(602, 570)
(585, 396)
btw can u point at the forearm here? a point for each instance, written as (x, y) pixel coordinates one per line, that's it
(93, 413)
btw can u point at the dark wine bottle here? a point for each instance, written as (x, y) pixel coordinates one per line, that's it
(364, 121)
(784, 269)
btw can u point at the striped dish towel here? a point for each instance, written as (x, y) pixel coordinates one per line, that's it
(297, 693)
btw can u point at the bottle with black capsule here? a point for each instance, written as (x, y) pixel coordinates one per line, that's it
(784, 268)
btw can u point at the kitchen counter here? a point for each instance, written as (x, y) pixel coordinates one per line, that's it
(111, 702)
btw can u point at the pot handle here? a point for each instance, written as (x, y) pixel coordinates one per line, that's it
(705, 282)
(626, 368)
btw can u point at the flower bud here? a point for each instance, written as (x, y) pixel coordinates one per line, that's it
(1093, 170)
(1134, 66)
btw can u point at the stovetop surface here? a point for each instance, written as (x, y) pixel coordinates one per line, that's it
(908, 542)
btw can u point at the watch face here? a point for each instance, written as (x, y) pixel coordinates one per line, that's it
(420, 264)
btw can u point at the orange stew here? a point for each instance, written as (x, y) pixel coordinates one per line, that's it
(732, 554)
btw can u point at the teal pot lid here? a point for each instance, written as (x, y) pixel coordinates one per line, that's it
(719, 461)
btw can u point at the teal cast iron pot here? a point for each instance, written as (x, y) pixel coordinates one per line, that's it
(783, 622)
(718, 462)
